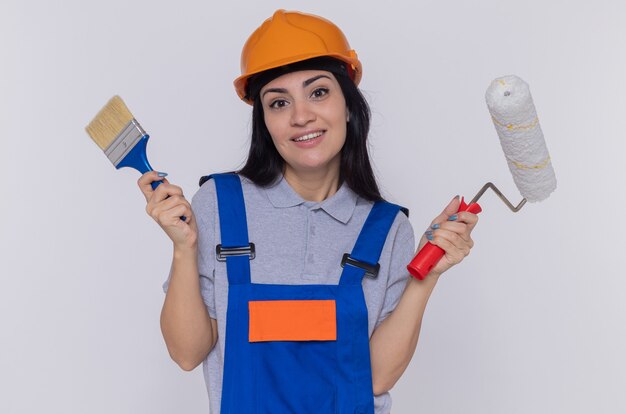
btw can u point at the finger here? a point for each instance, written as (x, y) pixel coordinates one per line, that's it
(462, 229)
(145, 182)
(450, 209)
(165, 191)
(155, 210)
(170, 202)
(455, 250)
(450, 236)
(470, 219)
(452, 254)
(171, 217)
(462, 244)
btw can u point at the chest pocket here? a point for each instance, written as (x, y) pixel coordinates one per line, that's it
(292, 320)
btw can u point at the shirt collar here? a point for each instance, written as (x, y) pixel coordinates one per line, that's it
(340, 205)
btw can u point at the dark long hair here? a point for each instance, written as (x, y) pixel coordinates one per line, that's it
(264, 164)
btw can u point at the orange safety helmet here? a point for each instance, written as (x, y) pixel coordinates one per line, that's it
(290, 37)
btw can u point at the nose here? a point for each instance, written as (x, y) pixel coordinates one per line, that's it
(301, 113)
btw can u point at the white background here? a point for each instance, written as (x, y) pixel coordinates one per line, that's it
(532, 322)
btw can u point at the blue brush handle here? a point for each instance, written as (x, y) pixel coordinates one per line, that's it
(137, 158)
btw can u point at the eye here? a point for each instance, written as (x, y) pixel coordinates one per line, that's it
(278, 103)
(319, 93)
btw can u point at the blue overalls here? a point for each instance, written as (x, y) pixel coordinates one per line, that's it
(296, 349)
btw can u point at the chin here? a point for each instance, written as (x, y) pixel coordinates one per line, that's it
(310, 167)
(319, 163)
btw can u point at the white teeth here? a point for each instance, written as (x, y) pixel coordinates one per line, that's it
(308, 136)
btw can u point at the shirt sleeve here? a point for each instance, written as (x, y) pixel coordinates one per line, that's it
(204, 207)
(402, 252)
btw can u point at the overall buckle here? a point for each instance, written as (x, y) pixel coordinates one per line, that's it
(223, 252)
(370, 270)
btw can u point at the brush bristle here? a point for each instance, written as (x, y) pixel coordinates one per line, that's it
(109, 122)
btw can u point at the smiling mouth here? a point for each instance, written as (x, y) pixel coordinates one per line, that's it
(308, 137)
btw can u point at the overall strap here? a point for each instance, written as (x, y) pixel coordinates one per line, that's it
(363, 261)
(235, 248)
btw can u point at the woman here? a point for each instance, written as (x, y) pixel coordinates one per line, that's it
(289, 279)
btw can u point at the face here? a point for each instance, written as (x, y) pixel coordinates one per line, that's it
(305, 113)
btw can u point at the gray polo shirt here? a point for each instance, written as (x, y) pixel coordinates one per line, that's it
(297, 242)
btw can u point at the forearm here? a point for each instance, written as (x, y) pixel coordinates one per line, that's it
(394, 341)
(188, 330)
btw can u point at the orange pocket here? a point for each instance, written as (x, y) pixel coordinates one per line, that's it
(292, 320)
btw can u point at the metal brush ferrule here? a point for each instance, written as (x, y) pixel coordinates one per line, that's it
(124, 142)
(514, 209)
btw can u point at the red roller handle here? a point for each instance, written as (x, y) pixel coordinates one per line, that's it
(430, 254)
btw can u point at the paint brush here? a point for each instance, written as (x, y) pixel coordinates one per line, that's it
(119, 135)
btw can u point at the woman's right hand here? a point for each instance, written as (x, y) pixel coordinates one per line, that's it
(166, 205)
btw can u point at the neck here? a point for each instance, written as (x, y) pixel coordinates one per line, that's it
(313, 185)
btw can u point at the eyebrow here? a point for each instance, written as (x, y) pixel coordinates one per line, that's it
(304, 85)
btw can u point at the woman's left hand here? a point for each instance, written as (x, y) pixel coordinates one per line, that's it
(452, 232)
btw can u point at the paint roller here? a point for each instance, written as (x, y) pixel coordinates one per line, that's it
(515, 118)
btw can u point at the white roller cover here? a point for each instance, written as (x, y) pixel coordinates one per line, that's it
(515, 118)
